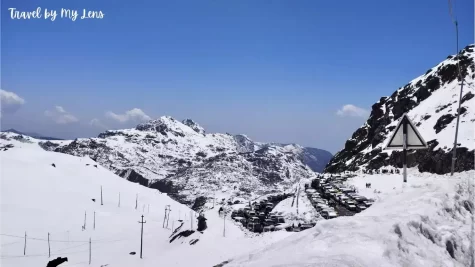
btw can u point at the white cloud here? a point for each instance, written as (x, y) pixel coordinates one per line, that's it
(97, 123)
(352, 111)
(60, 116)
(9, 102)
(135, 114)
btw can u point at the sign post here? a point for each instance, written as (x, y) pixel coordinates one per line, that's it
(405, 137)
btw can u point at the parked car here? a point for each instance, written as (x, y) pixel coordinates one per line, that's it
(342, 199)
(241, 220)
(349, 202)
(320, 207)
(281, 226)
(361, 207)
(352, 207)
(269, 228)
(305, 226)
(368, 203)
(330, 215)
(255, 227)
(255, 220)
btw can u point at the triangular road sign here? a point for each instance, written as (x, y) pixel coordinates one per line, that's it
(414, 138)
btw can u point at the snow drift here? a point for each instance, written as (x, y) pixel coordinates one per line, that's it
(50, 195)
(424, 223)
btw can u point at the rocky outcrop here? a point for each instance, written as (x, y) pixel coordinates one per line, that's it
(430, 101)
(193, 125)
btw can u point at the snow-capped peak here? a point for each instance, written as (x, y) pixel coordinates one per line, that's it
(193, 125)
(166, 124)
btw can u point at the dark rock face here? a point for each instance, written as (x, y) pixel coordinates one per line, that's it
(364, 146)
(443, 121)
(133, 176)
(467, 97)
(193, 125)
(199, 203)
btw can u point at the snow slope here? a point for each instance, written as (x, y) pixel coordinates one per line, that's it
(40, 199)
(431, 102)
(426, 222)
(297, 209)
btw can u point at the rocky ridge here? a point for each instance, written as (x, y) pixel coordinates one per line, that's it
(431, 102)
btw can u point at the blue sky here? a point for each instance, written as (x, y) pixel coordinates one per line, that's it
(278, 71)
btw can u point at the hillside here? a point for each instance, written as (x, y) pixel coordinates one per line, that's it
(431, 101)
(180, 159)
(43, 201)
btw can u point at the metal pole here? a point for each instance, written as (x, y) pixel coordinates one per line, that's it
(24, 248)
(404, 152)
(454, 150)
(85, 220)
(472, 240)
(168, 215)
(224, 224)
(141, 237)
(49, 248)
(164, 217)
(90, 251)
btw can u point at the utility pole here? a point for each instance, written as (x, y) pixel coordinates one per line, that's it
(84, 227)
(49, 248)
(454, 150)
(168, 215)
(90, 251)
(191, 219)
(24, 247)
(101, 197)
(224, 223)
(141, 237)
(167, 208)
(136, 201)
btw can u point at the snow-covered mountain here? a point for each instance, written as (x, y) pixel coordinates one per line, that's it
(431, 102)
(180, 159)
(34, 135)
